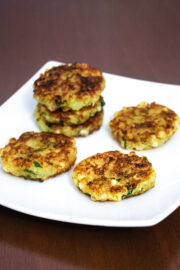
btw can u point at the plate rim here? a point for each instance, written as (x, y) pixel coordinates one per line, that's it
(91, 221)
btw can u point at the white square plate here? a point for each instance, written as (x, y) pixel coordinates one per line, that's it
(57, 198)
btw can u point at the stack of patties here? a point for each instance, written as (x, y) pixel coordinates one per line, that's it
(69, 100)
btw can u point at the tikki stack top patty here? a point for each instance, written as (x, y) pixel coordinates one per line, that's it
(70, 87)
(69, 96)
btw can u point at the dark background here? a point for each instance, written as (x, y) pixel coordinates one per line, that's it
(138, 39)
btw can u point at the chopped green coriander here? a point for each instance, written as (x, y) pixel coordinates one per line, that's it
(125, 142)
(36, 164)
(102, 101)
(110, 159)
(29, 171)
(39, 150)
(58, 103)
(130, 192)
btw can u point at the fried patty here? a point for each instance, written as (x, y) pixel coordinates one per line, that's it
(82, 130)
(114, 176)
(145, 126)
(69, 87)
(69, 117)
(38, 155)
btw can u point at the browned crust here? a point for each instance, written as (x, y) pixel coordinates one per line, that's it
(144, 122)
(62, 82)
(99, 170)
(51, 150)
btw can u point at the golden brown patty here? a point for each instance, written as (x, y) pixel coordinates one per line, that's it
(69, 117)
(70, 87)
(145, 126)
(114, 176)
(81, 130)
(38, 155)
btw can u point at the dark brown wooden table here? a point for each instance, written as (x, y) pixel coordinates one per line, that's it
(139, 39)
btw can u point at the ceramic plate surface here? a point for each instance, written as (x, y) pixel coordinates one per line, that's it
(57, 198)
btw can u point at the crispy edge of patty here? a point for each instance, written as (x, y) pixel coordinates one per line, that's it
(114, 176)
(70, 87)
(82, 130)
(70, 117)
(144, 126)
(38, 155)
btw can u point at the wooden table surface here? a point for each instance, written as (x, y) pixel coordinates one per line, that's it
(138, 39)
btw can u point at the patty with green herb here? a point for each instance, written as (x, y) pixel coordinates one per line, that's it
(144, 126)
(70, 117)
(81, 130)
(38, 155)
(114, 176)
(69, 87)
